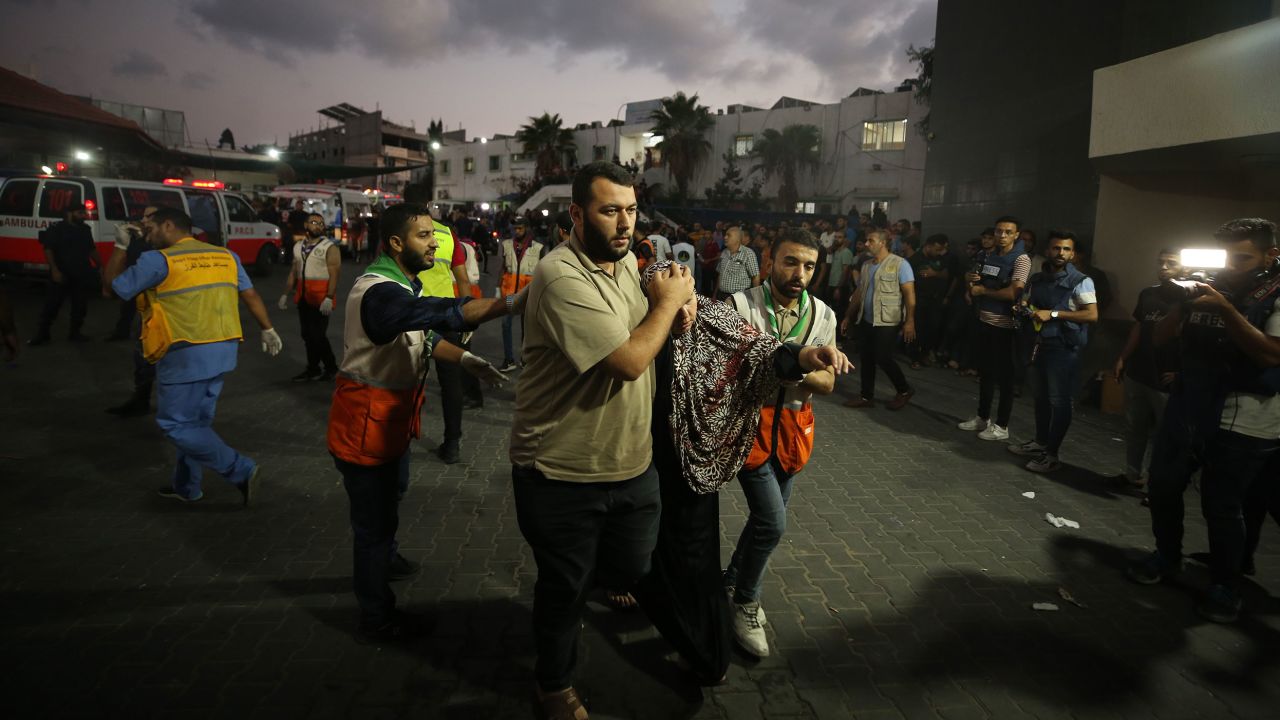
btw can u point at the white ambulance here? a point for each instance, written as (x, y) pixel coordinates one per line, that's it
(31, 203)
(346, 209)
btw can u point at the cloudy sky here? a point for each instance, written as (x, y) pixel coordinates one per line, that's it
(263, 67)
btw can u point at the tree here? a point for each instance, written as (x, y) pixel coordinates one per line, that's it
(923, 58)
(227, 138)
(548, 141)
(435, 129)
(729, 187)
(784, 154)
(683, 125)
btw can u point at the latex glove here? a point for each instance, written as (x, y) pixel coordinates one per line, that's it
(271, 342)
(482, 369)
(284, 302)
(326, 307)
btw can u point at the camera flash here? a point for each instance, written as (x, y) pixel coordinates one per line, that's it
(1204, 259)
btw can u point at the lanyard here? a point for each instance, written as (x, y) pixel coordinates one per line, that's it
(773, 320)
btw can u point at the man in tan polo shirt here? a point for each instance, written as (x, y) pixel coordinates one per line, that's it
(586, 492)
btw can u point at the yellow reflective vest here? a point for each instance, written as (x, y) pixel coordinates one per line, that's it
(197, 303)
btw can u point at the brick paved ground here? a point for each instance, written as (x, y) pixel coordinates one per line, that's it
(903, 588)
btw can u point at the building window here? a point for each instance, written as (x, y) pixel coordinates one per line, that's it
(521, 157)
(806, 208)
(742, 145)
(884, 135)
(598, 151)
(495, 163)
(444, 167)
(468, 165)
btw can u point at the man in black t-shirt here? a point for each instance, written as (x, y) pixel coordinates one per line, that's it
(1146, 373)
(73, 260)
(932, 267)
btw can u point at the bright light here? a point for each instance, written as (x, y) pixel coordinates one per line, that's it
(273, 153)
(46, 169)
(545, 212)
(647, 134)
(484, 206)
(435, 145)
(173, 181)
(1204, 259)
(82, 156)
(652, 140)
(484, 140)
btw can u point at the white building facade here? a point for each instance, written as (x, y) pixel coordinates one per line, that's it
(871, 154)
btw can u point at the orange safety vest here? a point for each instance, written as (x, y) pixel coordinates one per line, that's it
(518, 272)
(641, 261)
(311, 270)
(377, 401)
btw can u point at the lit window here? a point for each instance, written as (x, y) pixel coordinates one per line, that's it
(468, 165)
(444, 167)
(742, 145)
(884, 135)
(806, 208)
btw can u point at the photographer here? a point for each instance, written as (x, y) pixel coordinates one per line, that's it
(1223, 415)
(1062, 301)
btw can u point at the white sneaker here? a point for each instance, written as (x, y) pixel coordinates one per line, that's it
(994, 432)
(974, 423)
(764, 621)
(747, 629)
(1030, 448)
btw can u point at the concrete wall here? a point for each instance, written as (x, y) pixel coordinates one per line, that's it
(1217, 88)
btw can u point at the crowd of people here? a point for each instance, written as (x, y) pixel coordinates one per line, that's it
(659, 362)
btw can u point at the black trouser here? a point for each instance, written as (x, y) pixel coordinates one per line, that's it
(994, 349)
(374, 493)
(929, 319)
(124, 322)
(875, 347)
(75, 288)
(1229, 464)
(581, 534)
(315, 329)
(958, 327)
(449, 376)
(1263, 498)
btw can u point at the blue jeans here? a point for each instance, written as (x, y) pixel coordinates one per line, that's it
(1055, 372)
(768, 489)
(508, 343)
(184, 412)
(374, 492)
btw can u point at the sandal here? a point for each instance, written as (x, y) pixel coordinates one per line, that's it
(623, 601)
(562, 705)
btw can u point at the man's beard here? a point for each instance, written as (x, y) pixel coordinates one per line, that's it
(781, 286)
(415, 262)
(598, 247)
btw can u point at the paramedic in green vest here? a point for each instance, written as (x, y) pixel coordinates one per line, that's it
(190, 293)
(389, 333)
(883, 305)
(447, 278)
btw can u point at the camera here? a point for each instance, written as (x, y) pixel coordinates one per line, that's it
(1199, 264)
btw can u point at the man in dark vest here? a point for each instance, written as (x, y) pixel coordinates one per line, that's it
(1223, 415)
(1060, 303)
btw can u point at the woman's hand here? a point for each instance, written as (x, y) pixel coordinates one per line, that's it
(820, 358)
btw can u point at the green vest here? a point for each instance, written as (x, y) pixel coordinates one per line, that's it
(438, 281)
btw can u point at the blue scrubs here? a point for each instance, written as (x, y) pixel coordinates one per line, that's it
(189, 380)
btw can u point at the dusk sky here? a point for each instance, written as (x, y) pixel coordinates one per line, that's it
(263, 67)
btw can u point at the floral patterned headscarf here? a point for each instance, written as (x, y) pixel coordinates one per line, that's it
(723, 373)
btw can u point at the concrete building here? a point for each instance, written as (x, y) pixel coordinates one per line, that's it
(1183, 140)
(870, 154)
(363, 139)
(1022, 124)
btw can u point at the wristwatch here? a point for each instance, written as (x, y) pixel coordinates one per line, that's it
(1054, 314)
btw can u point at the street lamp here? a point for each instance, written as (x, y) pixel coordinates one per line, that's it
(484, 140)
(273, 153)
(435, 145)
(82, 156)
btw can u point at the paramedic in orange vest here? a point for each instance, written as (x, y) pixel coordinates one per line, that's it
(389, 334)
(520, 255)
(188, 294)
(783, 308)
(313, 285)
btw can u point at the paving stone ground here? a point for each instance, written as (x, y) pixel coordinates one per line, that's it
(903, 588)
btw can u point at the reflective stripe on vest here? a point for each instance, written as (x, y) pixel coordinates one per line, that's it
(197, 302)
(379, 392)
(438, 280)
(311, 269)
(517, 274)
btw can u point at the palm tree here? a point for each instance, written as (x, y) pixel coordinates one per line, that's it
(683, 125)
(546, 139)
(784, 154)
